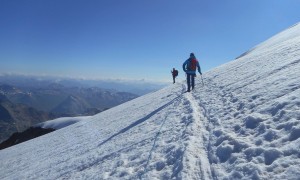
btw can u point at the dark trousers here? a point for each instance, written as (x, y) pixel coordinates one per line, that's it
(190, 79)
(174, 79)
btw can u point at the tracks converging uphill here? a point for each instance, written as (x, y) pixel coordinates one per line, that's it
(196, 157)
(210, 105)
(181, 142)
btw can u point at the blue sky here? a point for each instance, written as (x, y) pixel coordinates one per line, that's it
(133, 39)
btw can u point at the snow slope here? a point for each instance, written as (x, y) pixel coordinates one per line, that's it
(244, 123)
(61, 122)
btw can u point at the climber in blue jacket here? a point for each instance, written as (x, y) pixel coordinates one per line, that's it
(189, 67)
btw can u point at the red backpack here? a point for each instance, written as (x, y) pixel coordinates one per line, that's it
(192, 64)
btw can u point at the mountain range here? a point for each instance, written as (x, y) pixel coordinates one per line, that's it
(139, 87)
(57, 98)
(22, 107)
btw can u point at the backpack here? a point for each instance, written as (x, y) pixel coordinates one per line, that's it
(192, 65)
(175, 73)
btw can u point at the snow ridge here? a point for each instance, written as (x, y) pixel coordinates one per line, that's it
(243, 124)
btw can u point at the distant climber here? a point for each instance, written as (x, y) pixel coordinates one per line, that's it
(174, 74)
(189, 67)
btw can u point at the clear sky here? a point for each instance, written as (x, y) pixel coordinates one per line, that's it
(133, 39)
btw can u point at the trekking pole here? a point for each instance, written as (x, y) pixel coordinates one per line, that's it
(202, 79)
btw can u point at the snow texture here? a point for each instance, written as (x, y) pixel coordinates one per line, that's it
(61, 122)
(244, 123)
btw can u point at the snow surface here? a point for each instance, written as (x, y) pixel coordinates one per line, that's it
(244, 123)
(61, 122)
